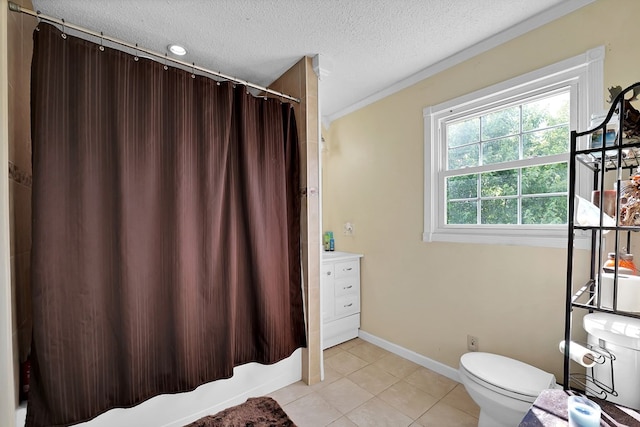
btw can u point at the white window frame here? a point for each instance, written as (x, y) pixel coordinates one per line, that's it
(583, 74)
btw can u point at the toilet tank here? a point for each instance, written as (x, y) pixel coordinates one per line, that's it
(619, 335)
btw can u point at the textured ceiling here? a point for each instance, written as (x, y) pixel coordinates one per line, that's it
(372, 44)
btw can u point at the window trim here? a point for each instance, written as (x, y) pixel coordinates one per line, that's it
(584, 73)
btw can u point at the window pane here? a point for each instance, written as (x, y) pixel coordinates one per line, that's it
(499, 211)
(463, 156)
(546, 112)
(546, 142)
(463, 133)
(462, 212)
(499, 183)
(531, 130)
(462, 187)
(501, 123)
(500, 150)
(543, 179)
(544, 210)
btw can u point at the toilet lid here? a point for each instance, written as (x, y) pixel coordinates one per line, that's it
(507, 374)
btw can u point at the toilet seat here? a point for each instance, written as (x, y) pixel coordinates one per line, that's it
(506, 376)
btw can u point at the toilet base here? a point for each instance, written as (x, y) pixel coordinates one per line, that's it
(486, 420)
(503, 403)
(496, 410)
(494, 413)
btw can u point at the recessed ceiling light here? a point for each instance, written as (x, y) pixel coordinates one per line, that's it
(177, 49)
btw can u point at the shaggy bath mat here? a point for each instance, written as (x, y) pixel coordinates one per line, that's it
(255, 412)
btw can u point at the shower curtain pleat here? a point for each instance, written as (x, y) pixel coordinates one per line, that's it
(166, 230)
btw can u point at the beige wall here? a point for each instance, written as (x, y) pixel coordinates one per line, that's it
(17, 144)
(20, 49)
(428, 296)
(7, 400)
(300, 81)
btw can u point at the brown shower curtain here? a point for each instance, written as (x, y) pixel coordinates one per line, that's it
(166, 226)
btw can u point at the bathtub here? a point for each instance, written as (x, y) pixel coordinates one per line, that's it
(176, 410)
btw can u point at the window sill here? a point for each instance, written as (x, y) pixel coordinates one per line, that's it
(536, 238)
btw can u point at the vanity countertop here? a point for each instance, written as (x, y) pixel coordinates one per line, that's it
(550, 410)
(337, 255)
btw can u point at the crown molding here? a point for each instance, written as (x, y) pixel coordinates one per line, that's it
(549, 15)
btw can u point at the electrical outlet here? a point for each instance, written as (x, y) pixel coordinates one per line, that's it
(472, 343)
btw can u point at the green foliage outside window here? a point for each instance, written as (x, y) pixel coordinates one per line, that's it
(527, 195)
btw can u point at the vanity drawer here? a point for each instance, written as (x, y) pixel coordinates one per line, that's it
(347, 286)
(347, 269)
(346, 305)
(340, 293)
(327, 270)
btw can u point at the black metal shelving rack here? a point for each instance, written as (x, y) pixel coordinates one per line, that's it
(620, 158)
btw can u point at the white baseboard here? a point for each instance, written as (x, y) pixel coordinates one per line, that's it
(421, 360)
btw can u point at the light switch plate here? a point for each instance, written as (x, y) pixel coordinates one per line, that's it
(348, 229)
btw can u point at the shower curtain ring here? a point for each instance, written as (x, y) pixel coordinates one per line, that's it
(101, 42)
(39, 20)
(64, 31)
(165, 62)
(193, 70)
(135, 57)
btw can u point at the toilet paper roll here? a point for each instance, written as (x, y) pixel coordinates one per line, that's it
(580, 354)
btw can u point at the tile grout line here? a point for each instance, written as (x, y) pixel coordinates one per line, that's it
(414, 420)
(338, 350)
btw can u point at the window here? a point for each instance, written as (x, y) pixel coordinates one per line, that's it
(496, 161)
(502, 165)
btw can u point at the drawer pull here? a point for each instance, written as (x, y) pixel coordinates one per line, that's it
(347, 287)
(328, 273)
(348, 305)
(347, 269)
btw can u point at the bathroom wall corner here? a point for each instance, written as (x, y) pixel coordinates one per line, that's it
(300, 81)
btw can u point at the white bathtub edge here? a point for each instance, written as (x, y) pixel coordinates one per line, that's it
(176, 410)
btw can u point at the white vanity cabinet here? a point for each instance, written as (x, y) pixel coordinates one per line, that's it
(340, 290)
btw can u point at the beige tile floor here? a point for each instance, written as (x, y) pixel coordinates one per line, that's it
(368, 386)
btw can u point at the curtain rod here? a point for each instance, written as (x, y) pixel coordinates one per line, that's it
(17, 8)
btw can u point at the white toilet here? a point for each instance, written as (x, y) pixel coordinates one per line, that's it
(504, 388)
